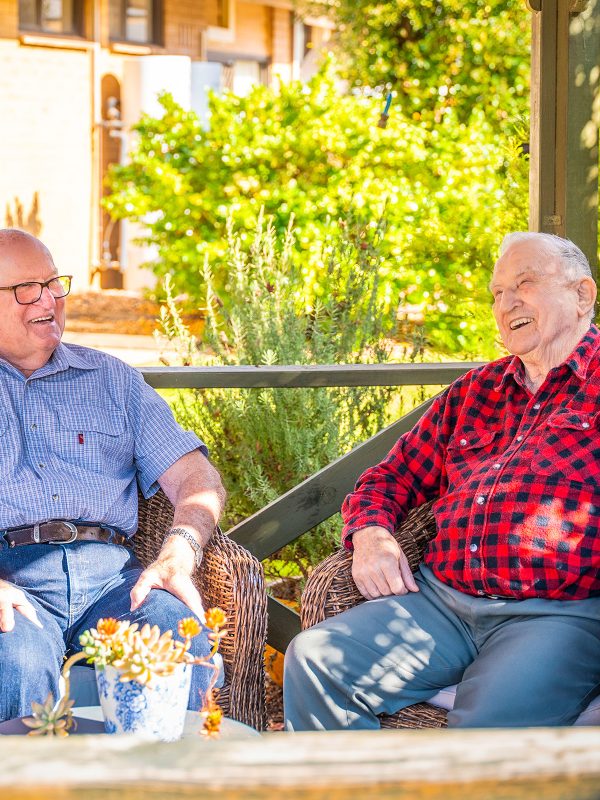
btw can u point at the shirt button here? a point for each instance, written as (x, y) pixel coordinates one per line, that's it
(56, 497)
(463, 442)
(33, 426)
(497, 466)
(480, 592)
(585, 424)
(473, 547)
(480, 500)
(519, 438)
(537, 407)
(42, 466)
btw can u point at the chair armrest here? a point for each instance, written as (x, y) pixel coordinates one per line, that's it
(330, 588)
(231, 578)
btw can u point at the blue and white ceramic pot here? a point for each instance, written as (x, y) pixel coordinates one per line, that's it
(157, 712)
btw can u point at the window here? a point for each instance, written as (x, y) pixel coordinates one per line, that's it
(135, 21)
(51, 16)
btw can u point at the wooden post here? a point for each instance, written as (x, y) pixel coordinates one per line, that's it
(565, 114)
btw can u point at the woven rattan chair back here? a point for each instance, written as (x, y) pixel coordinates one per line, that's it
(231, 578)
(330, 590)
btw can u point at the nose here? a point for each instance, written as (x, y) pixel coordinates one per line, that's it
(46, 298)
(508, 300)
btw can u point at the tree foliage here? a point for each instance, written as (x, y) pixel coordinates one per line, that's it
(448, 193)
(438, 54)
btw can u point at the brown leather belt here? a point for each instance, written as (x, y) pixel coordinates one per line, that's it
(62, 531)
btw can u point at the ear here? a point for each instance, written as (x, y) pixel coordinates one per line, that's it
(586, 296)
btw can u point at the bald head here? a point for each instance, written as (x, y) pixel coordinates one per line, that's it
(14, 241)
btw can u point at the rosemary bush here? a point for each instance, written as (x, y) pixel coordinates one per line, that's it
(264, 441)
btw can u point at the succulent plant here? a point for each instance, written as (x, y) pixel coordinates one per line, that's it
(51, 718)
(140, 655)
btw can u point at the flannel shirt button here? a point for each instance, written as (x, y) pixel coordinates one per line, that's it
(519, 438)
(473, 547)
(463, 442)
(480, 592)
(585, 424)
(497, 466)
(480, 500)
(537, 406)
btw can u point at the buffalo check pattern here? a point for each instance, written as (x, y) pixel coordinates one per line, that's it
(517, 477)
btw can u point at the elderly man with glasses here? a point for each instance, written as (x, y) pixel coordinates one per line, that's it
(79, 431)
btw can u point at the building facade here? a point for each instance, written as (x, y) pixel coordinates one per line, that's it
(76, 74)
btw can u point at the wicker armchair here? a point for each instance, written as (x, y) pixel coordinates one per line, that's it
(331, 590)
(231, 578)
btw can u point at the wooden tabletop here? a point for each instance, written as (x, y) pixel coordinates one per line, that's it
(537, 764)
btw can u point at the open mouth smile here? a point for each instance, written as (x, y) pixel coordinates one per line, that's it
(520, 323)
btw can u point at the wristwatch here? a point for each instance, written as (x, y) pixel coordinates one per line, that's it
(197, 548)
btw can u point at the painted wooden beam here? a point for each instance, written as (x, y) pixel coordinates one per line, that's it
(297, 376)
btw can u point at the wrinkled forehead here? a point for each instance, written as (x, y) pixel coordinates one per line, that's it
(526, 257)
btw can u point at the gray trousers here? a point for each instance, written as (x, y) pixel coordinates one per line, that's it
(520, 663)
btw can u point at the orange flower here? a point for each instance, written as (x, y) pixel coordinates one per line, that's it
(188, 627)
(212, 722)
(215, 618)
(107, 627)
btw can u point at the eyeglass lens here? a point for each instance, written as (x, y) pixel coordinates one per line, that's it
(27, 293)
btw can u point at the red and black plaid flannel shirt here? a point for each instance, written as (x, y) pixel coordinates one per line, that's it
(517, 479)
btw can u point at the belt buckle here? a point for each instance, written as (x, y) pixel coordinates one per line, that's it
(70, 526)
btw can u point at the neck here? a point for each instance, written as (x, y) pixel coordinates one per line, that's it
(539, 362)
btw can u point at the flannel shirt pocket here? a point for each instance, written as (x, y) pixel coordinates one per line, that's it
(569, 447)
(468, 450)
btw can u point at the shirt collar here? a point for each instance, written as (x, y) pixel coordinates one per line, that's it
(61, 359)
(578, 361)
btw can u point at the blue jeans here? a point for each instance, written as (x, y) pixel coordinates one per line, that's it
(72, 586)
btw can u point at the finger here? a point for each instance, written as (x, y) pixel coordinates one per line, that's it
(183, 588)
(396, 582)
(407, 575)
(7, 618)
(141, 590)
(29, 612)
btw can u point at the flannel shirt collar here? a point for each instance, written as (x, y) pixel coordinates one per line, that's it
(578, 361)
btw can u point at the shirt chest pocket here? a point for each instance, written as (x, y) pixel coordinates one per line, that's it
(93, 438)
(569, 447)
(468, 450)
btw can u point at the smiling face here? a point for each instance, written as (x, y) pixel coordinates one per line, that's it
(541, 313)
(28, 334)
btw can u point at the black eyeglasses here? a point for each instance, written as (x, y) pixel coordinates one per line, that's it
(30, 292)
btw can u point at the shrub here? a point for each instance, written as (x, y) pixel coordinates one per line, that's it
(448, 192)
(265, 441)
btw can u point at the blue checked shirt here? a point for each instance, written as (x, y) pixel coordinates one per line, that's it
(76, 435)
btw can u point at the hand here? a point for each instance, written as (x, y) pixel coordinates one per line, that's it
(12, 597)
(379, 567)
(172, 571)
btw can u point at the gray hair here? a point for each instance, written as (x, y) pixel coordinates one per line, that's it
(571, 257)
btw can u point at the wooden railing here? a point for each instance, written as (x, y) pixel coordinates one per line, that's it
(320, 496)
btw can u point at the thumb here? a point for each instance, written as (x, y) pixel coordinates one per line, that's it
(140, 591)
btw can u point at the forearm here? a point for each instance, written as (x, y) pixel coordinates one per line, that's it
(194, 487)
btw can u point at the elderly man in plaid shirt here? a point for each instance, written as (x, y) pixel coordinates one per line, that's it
(79, 431)
(507, 600)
